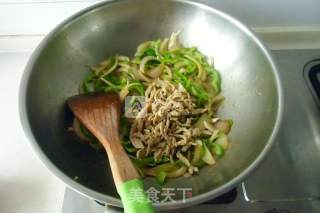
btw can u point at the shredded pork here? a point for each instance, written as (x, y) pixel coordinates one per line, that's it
(164, 125)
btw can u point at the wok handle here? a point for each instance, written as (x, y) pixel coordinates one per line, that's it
(314, 79)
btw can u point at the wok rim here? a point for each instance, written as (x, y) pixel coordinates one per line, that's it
(114, 201)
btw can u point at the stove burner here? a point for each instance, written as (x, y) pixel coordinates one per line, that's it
(228, 197)
(312, 76)
(275, 210)
(100, 203)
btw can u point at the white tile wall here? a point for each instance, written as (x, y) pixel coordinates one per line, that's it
(40, 16)
(36, 17)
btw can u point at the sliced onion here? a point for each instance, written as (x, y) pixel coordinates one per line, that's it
(144, 61)
(140, 76)
(174, 42)
(141, 153)
(111, 69)
(169, 72)
(124, 59)
(207, 156)
(164, 46)
(177, 173)
(223, 126)
(142, 47)
(223, 141)
(201, 74)
(124, 65)
(156, 72)
(218, 99)
(183, 159)
(197, 152)
(137, 143)
(124, 92)
(125, 70)
(214, 135)
(208, 126)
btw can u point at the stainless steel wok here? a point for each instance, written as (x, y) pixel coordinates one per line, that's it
(250, 83)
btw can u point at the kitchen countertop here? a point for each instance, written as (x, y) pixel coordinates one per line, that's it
(25, 184)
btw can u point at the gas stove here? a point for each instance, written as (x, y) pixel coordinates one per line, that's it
(288, 181)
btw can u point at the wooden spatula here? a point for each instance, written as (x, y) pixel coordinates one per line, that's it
(100, 114)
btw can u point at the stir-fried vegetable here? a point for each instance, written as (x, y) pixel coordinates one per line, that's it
(207, 156)
(217, 150)
(161, 176)
(169, 64)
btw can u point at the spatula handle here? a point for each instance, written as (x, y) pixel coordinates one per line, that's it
(129, 185)
(134, 198)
